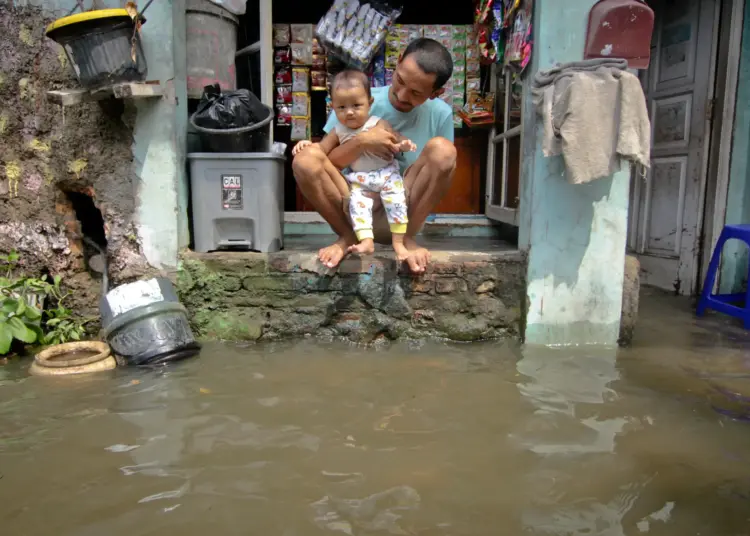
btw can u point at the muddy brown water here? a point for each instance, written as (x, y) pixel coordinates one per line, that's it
(311, 438)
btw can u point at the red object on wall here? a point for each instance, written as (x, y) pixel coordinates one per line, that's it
(620, 29)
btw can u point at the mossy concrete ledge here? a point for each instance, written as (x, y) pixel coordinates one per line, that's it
(255, 296)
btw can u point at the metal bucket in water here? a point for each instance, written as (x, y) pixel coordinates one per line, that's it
(211, 46)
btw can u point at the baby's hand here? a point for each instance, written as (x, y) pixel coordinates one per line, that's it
(408, 146)
(301, 146)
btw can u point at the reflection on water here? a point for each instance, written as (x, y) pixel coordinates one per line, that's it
(307, 438)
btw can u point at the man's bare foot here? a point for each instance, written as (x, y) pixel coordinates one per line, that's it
(331, 256)
(365, 247)
(418, 257)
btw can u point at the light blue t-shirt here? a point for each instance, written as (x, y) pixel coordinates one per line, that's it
(432, 119)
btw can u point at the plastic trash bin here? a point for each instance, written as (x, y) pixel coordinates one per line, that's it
(238, 201)
(255, 138)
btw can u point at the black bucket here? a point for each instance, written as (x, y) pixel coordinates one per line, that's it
(151, 334)
(103, 47)
(252, 139)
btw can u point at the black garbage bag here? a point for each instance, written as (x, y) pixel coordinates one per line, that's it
(232, 109)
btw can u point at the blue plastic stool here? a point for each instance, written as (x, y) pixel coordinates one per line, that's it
(724, 302)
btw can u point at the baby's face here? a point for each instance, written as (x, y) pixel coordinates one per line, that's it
(351, 105)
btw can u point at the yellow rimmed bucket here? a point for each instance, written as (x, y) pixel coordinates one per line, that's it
(103, 46)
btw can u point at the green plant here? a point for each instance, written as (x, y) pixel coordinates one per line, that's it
(22, 313)
(20, 318)
(61, 327)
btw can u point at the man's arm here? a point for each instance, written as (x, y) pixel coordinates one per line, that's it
(329, 142)
(446, 129)
(387, 126)
(376, 141)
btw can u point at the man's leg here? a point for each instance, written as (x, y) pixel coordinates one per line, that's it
(427, 182)
(322, 185)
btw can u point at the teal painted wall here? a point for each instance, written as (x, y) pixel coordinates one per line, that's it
(735, 255)
(574, 234)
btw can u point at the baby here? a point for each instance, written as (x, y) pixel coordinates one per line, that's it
(351, 100)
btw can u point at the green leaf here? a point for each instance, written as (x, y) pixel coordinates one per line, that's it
(32, 313)
(75, 335)
(20, 307)
(53, 321)
(9, 305)
(37, 330)
(13, 256)
(19, 330)
(5, 339)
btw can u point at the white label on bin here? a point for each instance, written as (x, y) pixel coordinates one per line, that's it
(231, 192)
(127, 297)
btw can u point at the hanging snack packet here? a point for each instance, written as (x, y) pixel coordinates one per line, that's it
(300, 129)
(319, 80)
(302, 54)
(283, 95)
(283, 76)
(282, 56)
(300, 105)
(283, 116)
(302, 34)
(300, 80)
(281, 35)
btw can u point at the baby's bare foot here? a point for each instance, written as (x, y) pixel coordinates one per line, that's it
(402, 254)
(365, 247)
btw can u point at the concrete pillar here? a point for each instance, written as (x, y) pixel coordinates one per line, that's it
(160, 139)
(574, 234)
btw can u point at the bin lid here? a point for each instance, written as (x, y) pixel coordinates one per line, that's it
(235, 156)
(88, 16)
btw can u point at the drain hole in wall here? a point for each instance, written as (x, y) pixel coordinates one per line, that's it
(92, 229)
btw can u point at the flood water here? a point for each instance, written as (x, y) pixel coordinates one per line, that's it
(315, 438)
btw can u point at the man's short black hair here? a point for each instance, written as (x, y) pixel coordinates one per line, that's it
(352, 78)
(432, 58)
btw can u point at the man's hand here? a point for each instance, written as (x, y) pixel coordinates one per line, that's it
(301, 146)
(379, 142)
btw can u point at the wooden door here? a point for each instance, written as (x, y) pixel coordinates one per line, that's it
(666, 209)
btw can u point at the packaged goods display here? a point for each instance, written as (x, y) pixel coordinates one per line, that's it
(354, 32)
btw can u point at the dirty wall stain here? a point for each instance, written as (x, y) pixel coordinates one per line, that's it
(39, 146)
(25, 36)
(13, 174)
(77, 167)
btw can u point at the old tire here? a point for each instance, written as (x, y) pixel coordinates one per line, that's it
(51, 362)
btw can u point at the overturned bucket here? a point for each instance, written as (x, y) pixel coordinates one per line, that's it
(145, 324)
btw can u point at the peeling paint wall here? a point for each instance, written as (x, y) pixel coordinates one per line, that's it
(127, 157)
(575, 234)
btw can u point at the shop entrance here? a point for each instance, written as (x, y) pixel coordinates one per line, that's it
(464, 210)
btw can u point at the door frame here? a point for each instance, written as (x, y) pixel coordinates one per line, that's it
(728, 56)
